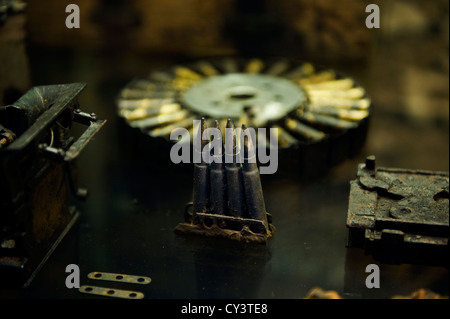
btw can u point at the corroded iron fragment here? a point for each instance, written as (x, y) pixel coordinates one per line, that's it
(38, 153)
(399, 214)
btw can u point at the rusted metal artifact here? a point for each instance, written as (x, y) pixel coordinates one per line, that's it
(321, 115)
(37, 153)
(399, 215)
(228, 199)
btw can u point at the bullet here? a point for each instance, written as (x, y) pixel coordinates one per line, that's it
(277, 68)
(144, 84)
(166, 130)
(304, 130)
(254, 66)
(318, 77)
(161, 76)
(201, 190)
(360, 104)
(207, 68)
(304, 70)
(325, 120)
(254, 198)
(143, 103)
(187, 74)
(223, 125)
(182, 84)
(245, 118)
(284, 138)
(352, 115)
(218, 195)
(353, 93)
(233, 171)
(137, 93)
(339, 84)
(160, 119)
(230, 65)
(145, 112)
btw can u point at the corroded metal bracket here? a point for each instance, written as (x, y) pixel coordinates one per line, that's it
(37, 161)
(229, 227)
(399, 214)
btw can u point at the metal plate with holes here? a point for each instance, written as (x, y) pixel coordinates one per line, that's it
(399, 214)
(130, 279)
(111, 292)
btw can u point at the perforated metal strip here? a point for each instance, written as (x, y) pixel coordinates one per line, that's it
(131, 279)
(111, 292)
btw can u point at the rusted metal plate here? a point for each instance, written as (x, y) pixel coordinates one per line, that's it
(400, 209)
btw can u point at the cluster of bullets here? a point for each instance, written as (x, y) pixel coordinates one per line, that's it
(333, 102)
(228, 199)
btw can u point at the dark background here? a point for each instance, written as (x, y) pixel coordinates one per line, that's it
(137, 196)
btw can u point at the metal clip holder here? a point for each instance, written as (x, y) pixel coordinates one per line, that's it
(37, 161)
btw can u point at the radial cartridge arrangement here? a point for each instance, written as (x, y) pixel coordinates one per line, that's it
(312, 107)
(228, 199)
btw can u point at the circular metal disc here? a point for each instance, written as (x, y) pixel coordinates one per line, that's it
(229, 96)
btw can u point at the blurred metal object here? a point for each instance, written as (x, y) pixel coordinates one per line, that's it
(37, 172)
(244, 218)
(399, 215)
(421, 294)
(9, 7)
(312, 105)
(254, 197)
(233, 175)
(201, 176)
(319, 293)
(218, 194)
